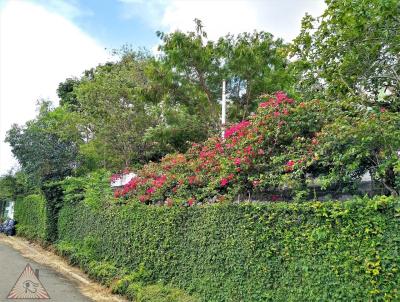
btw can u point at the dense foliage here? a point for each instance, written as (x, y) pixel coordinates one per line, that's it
(352, 51)
(44, 151)
(30, 214)
(247, 252)
(274, 151)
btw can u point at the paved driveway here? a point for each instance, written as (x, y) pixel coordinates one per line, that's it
(58, 287)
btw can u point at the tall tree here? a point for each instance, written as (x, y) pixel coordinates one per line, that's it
(352, 51)
(43, 153)
(252, 63)
(114, 113)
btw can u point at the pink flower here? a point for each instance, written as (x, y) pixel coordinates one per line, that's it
(219, 147)
(236, 128)
(276, 113)
(280, 96)
(290, 163)
(237, 161)
(224, 182)
(247, 150)
(263, 105)
(150, 190)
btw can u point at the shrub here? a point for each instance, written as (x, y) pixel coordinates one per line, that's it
(30, 214)
(331, 251)
(271, 150)
(161, 293)
(276, 151)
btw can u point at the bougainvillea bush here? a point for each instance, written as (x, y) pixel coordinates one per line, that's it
(276, 150)
(272, 150)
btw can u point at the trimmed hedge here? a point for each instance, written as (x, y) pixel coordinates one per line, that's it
(332, 251)
(30, 214)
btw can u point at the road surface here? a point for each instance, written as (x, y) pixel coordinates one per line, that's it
(12, 263)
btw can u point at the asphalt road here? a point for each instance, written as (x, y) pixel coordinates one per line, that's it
(58, 287)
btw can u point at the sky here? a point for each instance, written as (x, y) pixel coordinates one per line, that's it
(42, 42)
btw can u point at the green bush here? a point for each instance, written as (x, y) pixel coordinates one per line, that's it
(332, 251)
(161, 293)
(30, 214)
(53, 194)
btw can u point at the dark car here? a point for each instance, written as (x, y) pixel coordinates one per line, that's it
(8, 227)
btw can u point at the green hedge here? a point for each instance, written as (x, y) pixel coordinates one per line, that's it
(332, 251)
(30, 214)
(53, 193)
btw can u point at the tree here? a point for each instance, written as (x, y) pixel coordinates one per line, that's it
(42, 152)
(252, 63)
(66, 93)
(357, 142)
(352, 51)
(115, 113)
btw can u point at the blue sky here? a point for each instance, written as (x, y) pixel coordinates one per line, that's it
(113, 23)
(42, 42)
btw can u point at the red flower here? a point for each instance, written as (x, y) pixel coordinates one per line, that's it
(224, 182)
(144, 198)
(219, 147)
(236, 128)
(237, 161)
(191, 201)
(117, 193)
(192, 179)
(289, 165)
(150, 190)
(247, 150)
(276, 113)
(263, 105)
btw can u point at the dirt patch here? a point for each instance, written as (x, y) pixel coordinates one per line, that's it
(35, 252)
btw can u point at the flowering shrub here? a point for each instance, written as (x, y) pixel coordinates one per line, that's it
(270, 151)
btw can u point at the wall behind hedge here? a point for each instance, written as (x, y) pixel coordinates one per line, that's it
(30, 214)
(331, 251)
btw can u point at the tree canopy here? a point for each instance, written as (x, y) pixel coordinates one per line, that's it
(343, 66)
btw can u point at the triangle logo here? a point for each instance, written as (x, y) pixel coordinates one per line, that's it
(28, 286)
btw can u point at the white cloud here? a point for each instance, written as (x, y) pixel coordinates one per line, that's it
(71, 9)
(280, 17)
(38, 49)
